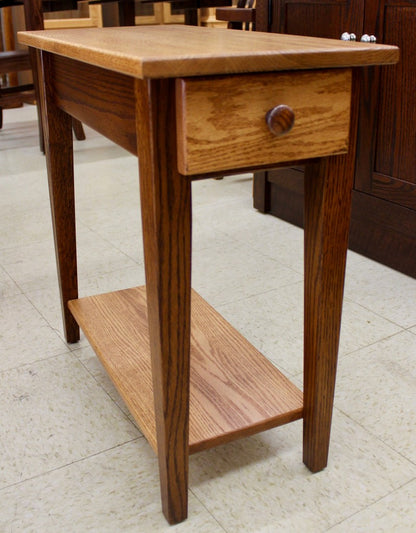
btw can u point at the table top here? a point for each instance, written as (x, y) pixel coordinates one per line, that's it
(176, 51)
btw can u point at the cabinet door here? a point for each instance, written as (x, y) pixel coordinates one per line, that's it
(387, 142)
(325, 18)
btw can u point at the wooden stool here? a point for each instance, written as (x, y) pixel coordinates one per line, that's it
(192, 103)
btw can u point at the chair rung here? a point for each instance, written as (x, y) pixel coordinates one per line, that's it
(236, 14)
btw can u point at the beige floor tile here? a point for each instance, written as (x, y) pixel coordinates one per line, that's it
(260, 484)
(273, 322)
(91, 362)
(33, 267)
(31, 193)
(23, 229)
(376, 386)
(282, 242)
(7, 286)
(55, 413)
(19, 132)
(394, 513)
(389, 293)
(227, 275)
(25, 336)
(114, 491)
(48, 304)
(213, 193)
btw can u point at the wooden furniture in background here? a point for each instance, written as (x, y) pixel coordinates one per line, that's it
(15, 60)
(152, 12)
(240, 17)
(88, 16)
(383, 222)
(178, 104)
(12, 61)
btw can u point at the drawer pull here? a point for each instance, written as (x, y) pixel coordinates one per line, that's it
(280, 119)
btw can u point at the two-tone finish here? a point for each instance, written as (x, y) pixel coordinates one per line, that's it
(193, 103)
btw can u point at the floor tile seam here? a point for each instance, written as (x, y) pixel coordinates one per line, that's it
(266, 255)
(381, 498)
(68, 465)
(349, 299)
(36, 361)
(207, 510)
(103, 389)
(410, 329)
(44, 317)
(382, 339)
(377, 437)
(113, 246)
(261, 293)
(13, 281)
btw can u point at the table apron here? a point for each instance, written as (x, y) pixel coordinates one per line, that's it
(102, 99)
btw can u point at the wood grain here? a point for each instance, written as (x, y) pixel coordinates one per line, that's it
(57, 128)
(107, 109)
(234, 390)
(328, 190)
(166, 220)
(176, 51)
(222, 121)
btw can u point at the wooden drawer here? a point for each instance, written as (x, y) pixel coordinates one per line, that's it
(222, 121)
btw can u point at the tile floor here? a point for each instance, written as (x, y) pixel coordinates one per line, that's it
(71, 458)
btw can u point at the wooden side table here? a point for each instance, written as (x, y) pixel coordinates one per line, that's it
(193, 103)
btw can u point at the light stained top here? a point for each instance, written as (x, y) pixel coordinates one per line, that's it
(175, 51)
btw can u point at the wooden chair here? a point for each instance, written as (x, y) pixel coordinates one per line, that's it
(12, 61)
(90, 16)
(15, 61)
(241, 17)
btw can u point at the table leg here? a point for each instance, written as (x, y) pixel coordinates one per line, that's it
(166, 216)
(328, 190)
(59, 157)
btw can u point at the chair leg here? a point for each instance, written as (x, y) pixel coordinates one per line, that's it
(78, 130)
(1, 117)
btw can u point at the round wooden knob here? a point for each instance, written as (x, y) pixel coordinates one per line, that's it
(280, 119)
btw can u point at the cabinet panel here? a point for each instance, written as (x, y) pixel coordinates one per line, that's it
(318, 19)
(394, 174)
(383, 225)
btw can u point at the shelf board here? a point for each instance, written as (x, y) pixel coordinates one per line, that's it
(234, 390)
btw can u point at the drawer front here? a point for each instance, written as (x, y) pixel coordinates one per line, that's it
(221, 121)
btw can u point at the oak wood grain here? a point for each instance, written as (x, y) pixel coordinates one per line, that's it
(222, 121)
(234, 390)
(107, 109)
(57, 128)
(166, 221)
(328, 191)
(175, 51)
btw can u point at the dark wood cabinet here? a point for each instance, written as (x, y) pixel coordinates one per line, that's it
(383, 225)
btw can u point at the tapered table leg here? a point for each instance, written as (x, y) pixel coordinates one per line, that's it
(328, 190)
(166, 216)
(57, 127)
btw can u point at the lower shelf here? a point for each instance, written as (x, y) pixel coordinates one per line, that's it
(234, 390)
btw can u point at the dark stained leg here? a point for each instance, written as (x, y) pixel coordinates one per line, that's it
(126, 12)
(328, 187)
(166, 216)
(59, 157)
(191, 17)
(78, 130)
